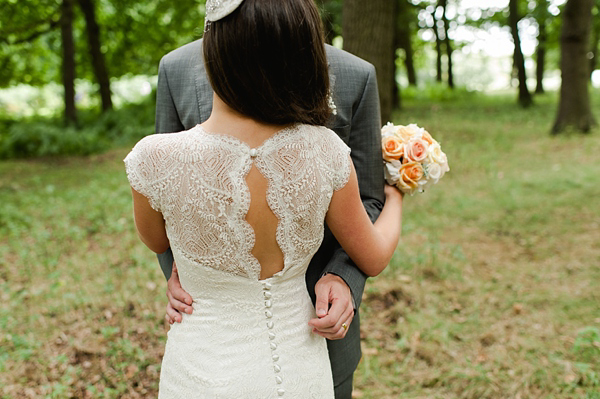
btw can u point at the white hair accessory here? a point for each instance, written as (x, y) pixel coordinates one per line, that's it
(217, 9)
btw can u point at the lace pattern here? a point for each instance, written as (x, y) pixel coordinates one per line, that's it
(197, 180)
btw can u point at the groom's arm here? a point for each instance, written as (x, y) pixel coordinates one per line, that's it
(365, 143)
(167, 121)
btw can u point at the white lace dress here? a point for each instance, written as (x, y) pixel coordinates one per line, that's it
(247, 338)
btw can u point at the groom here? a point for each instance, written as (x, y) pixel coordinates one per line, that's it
(184, 99)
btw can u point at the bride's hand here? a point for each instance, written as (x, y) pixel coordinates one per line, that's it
(392, 192)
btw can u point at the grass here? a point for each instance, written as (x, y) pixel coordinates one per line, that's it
(491, 293)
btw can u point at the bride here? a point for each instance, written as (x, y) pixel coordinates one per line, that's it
(242, 199)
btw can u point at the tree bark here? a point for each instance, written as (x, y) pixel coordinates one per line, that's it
(447, 43)
(368, 29)
(98, 63)
(574, 108)
(525, 99)
(404, 41)
(541, 17)
(68, 61)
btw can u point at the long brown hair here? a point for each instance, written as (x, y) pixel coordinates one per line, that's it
(267, 61)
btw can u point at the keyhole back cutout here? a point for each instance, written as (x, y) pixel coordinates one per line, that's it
(264, 223)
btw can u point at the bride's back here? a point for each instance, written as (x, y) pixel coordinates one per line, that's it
(260, 216)
(250, 209)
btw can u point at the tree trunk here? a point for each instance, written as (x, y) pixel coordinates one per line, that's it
(438, 49)
(404, 41)
(595, 42)
(574, 108)
(68, 60)
(447, 43)
(98, 63)
(524, 96)
(369, 33)
(541, 17)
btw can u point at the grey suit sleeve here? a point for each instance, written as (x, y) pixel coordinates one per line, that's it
(365, 142)
(167, 121)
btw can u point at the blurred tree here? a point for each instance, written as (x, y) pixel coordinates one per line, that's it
(574, 108)
(541, 15)
(595, 40)
(93, 34)
(440, 26)
(68, 64)
(405, 26)
(525, 99)
(369, 32)
(438, 45)
(447, 44)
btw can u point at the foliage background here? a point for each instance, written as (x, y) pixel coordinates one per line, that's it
(491, 293)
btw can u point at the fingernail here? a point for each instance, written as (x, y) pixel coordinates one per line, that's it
(188, 311)
(321, 312)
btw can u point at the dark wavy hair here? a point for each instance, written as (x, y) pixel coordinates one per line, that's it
(267, 61)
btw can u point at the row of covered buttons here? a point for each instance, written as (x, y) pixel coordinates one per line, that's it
(269, 314)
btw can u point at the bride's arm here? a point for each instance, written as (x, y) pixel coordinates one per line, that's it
(370, 246)
(149, 223)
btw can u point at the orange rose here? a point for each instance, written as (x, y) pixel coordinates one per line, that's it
(392, 148)
(416, 150)
(410, 174)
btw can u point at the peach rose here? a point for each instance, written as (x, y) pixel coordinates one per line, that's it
(404, 133)
(416, 150)
(427, 137)
(410, 174)
(392, 148)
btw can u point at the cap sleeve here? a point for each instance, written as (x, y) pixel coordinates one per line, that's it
(341, 161)
(142, 167)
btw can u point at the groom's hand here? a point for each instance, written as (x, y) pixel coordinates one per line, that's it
(179, 300)
(332, 322)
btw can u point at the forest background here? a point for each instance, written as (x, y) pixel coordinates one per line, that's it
(491, 293)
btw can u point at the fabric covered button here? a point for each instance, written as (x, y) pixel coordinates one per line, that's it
(269, 314)
(253, 152)
(267, 285)
(268, 294)
(270, 324)
(271, 335)
(273, 346)
(268, 303)
(278, 379)
(275, 357)
(277, 368)
(280, 391)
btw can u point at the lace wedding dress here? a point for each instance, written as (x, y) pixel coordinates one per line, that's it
(247, 338)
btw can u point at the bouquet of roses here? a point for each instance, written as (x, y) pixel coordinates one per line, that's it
(412, 158)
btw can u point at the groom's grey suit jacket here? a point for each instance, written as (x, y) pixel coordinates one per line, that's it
(184, 99)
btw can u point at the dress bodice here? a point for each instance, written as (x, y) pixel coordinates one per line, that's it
(197, 180)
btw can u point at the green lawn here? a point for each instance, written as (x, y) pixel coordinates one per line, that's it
(492, 292)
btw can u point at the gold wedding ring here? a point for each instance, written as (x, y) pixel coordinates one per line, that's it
(344, 326)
